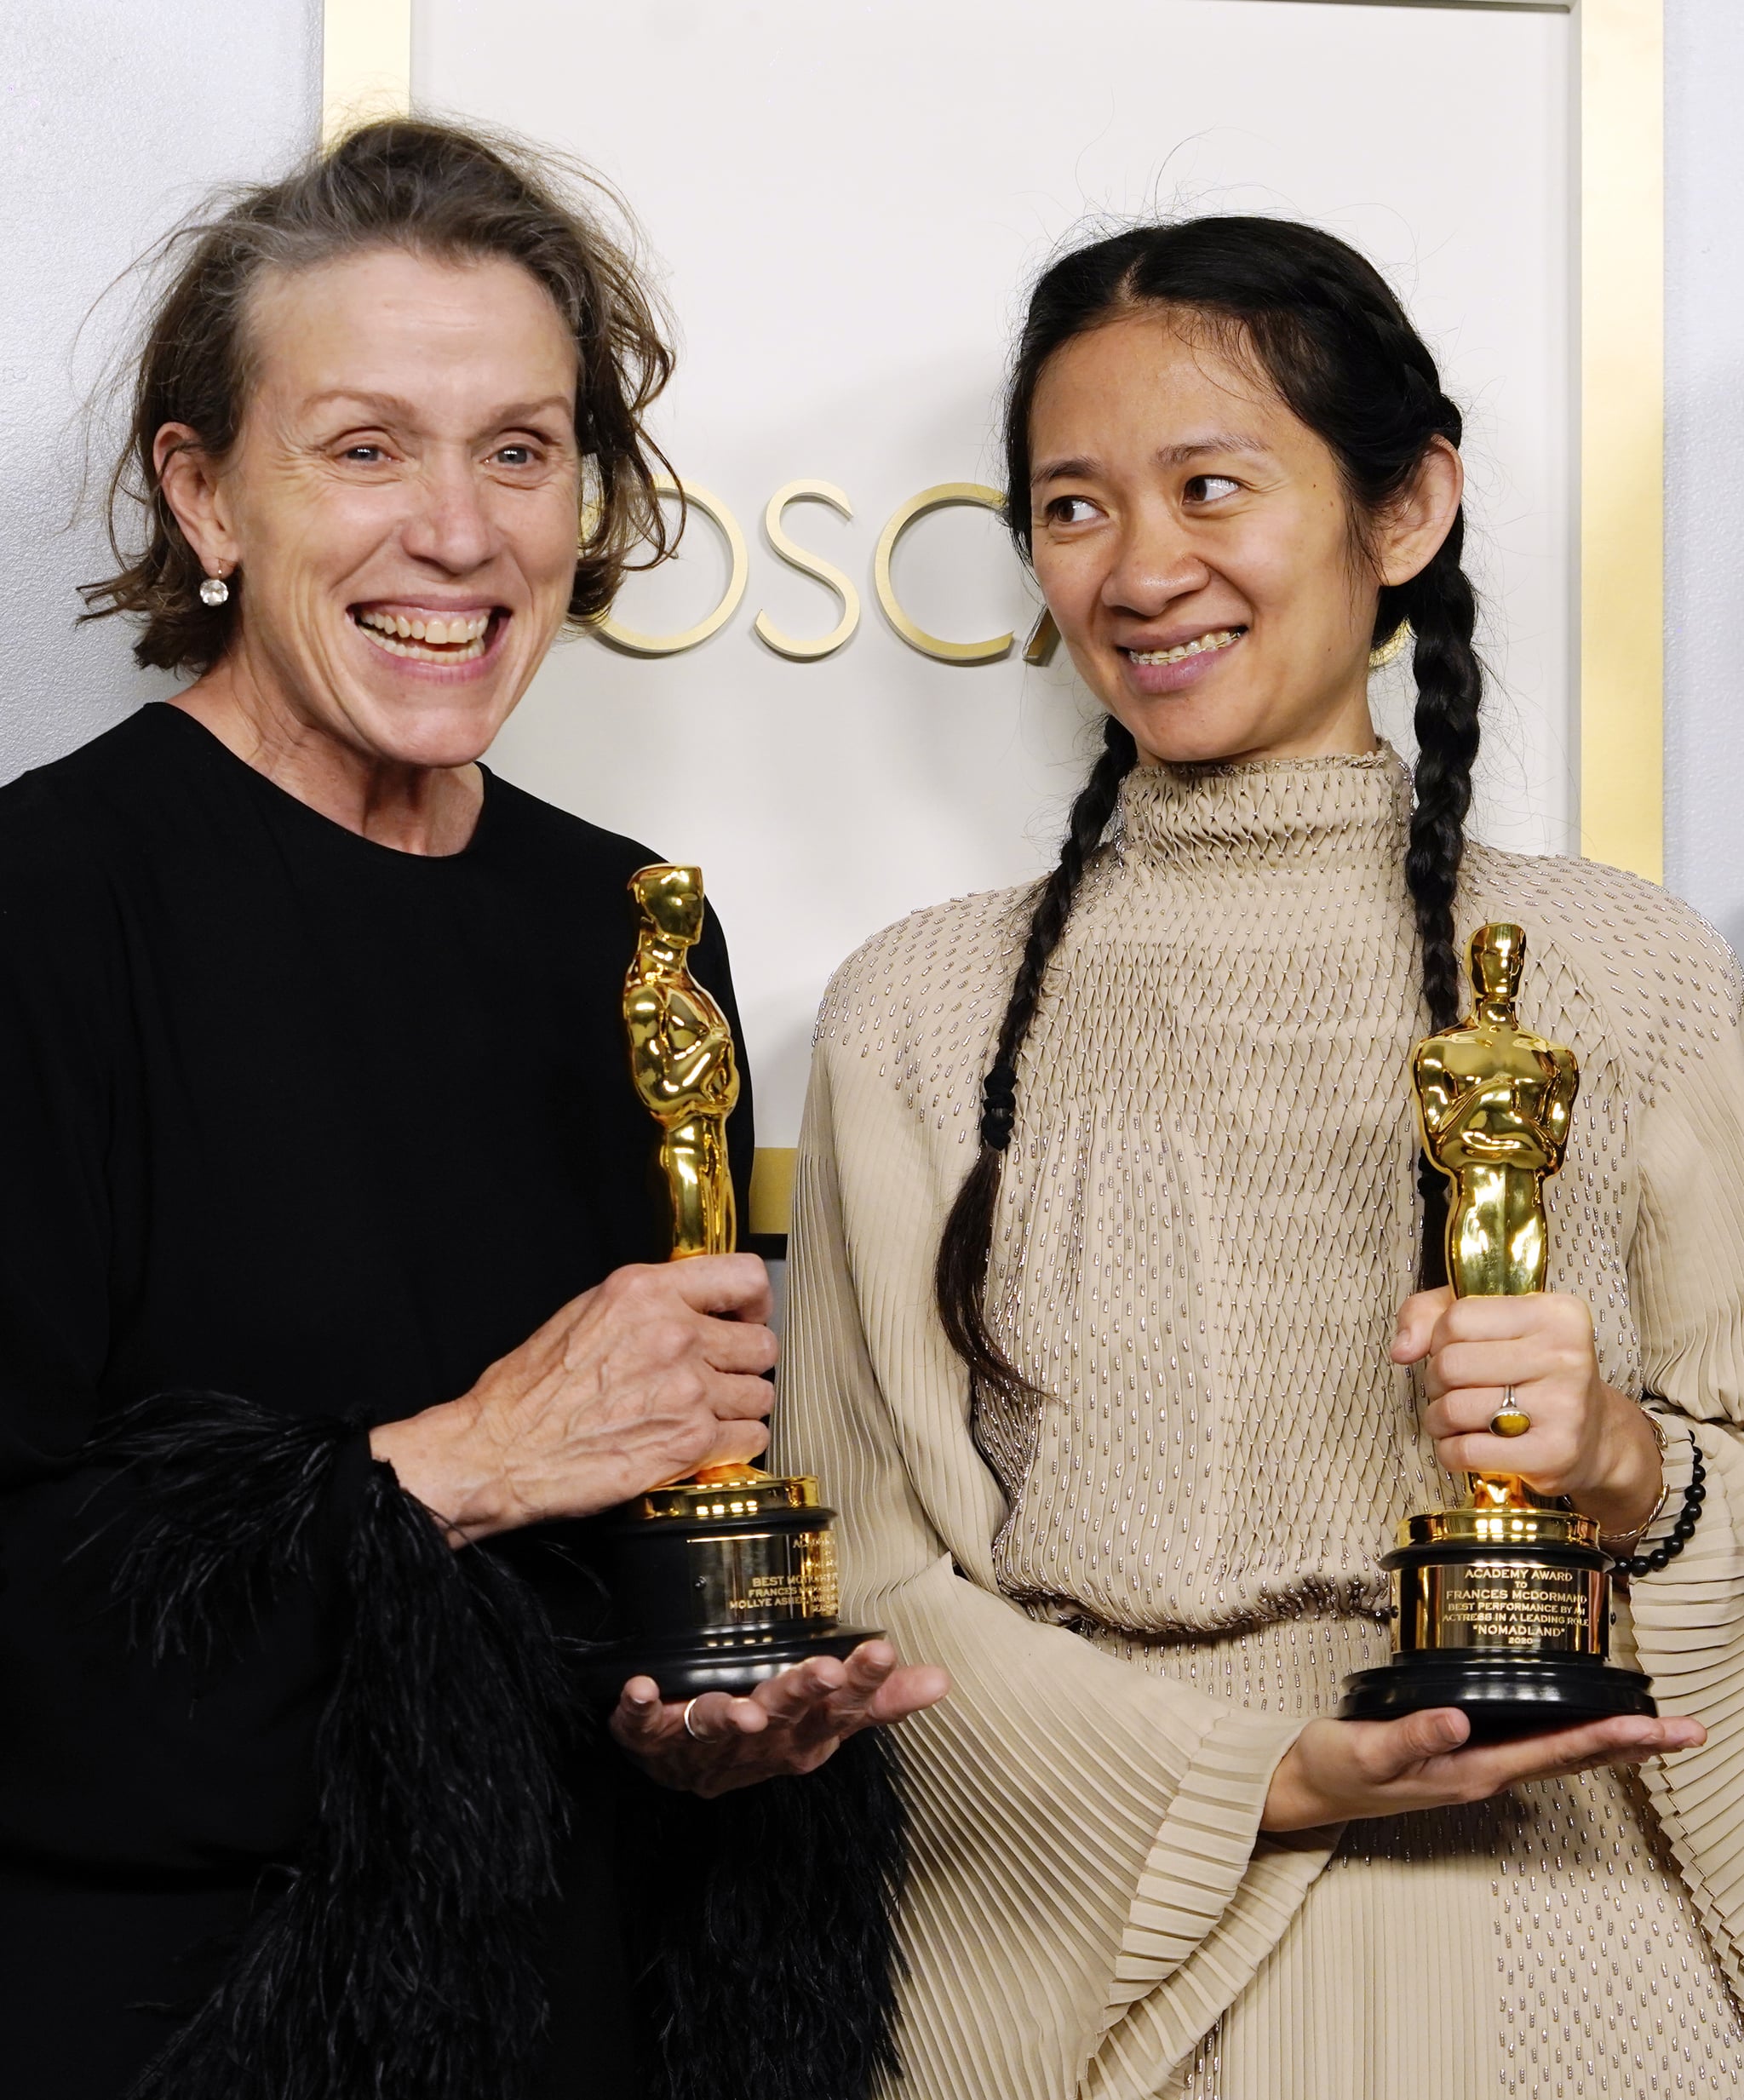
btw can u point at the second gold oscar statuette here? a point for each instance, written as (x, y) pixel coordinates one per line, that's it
(728, 1578)
(1502, 1606)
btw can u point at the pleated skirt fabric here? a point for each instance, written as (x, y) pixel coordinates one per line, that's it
(1540, 1944)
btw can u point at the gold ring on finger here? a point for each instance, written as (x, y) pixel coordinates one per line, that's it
(1510, 1419)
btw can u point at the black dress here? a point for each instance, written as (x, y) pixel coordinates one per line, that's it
(304, 1133)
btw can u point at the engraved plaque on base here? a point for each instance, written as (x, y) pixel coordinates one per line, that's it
(721, 1582)
(1505, 1613)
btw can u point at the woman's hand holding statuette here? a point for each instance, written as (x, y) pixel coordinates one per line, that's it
(1588, 1441)
(654, 1372)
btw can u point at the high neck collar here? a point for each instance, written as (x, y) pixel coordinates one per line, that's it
(1274, 814)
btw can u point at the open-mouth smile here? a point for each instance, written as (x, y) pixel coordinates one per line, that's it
(1201, 644)
(425, 635)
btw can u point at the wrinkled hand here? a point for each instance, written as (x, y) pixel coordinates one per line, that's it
(652, 1373)
(791, 1724)
(1588, 1441)
(1336, 1771)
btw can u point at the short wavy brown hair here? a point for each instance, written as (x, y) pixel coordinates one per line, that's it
(434, 188)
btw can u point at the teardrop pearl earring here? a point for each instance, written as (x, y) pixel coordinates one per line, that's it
(214, 591)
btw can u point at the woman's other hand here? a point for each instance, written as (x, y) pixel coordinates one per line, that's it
(1588, 1441)
(791, 1724)
(654, 1373)
(1336, 1771)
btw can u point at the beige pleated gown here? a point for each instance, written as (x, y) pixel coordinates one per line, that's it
(1143, 1584)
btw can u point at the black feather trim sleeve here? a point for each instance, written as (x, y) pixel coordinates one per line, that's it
(398, 1962)
(773, 1959)
(399, 1959)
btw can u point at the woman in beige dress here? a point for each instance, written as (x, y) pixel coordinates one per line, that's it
(1108, 1332)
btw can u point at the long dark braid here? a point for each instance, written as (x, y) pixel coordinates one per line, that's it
(1442, 609)
(1324, 328)
(962, 1266)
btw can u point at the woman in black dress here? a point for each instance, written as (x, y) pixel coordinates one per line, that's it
(315, 1108)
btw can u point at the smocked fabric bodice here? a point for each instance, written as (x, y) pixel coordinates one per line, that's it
(1211, 1192)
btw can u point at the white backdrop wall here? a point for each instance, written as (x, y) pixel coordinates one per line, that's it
(115, 116)
(115, 113)
(1705, 459)
(848, 202)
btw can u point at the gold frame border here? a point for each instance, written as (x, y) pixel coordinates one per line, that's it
(366, 61)
(1619, 714)
(1620, 717)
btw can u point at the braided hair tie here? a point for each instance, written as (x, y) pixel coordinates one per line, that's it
(999, 1106)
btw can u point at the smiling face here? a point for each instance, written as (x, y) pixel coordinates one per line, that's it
(401, 503)
(1197, 549)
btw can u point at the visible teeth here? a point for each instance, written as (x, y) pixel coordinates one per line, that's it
(419, 652)
(455, 640)
(1204, 645)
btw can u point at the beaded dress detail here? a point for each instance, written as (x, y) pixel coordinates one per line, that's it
(1208, 1219)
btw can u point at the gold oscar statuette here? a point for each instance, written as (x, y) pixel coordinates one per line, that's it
(726, 1578)
(1502, 1606)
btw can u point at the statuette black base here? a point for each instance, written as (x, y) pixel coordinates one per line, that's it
(733, 1664)
(1502, 1609)
(1502, 1695)
(718, 1583)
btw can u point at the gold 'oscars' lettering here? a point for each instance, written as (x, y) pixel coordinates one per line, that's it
(632, 643)
(808, 564)
(945, 493)
(1044, 640)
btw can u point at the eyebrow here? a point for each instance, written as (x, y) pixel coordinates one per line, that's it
(392, 407)
(1083, 467)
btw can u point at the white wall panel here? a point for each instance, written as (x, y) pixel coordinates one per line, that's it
(116, 115)
(848, 202)
(1705, 459)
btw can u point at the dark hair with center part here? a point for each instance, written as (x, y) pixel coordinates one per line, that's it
(439, 190)
(1323, 329)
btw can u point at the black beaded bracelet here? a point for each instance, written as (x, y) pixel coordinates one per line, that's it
(1682, 1532)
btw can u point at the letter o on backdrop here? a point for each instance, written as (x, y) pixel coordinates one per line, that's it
(631, 643)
